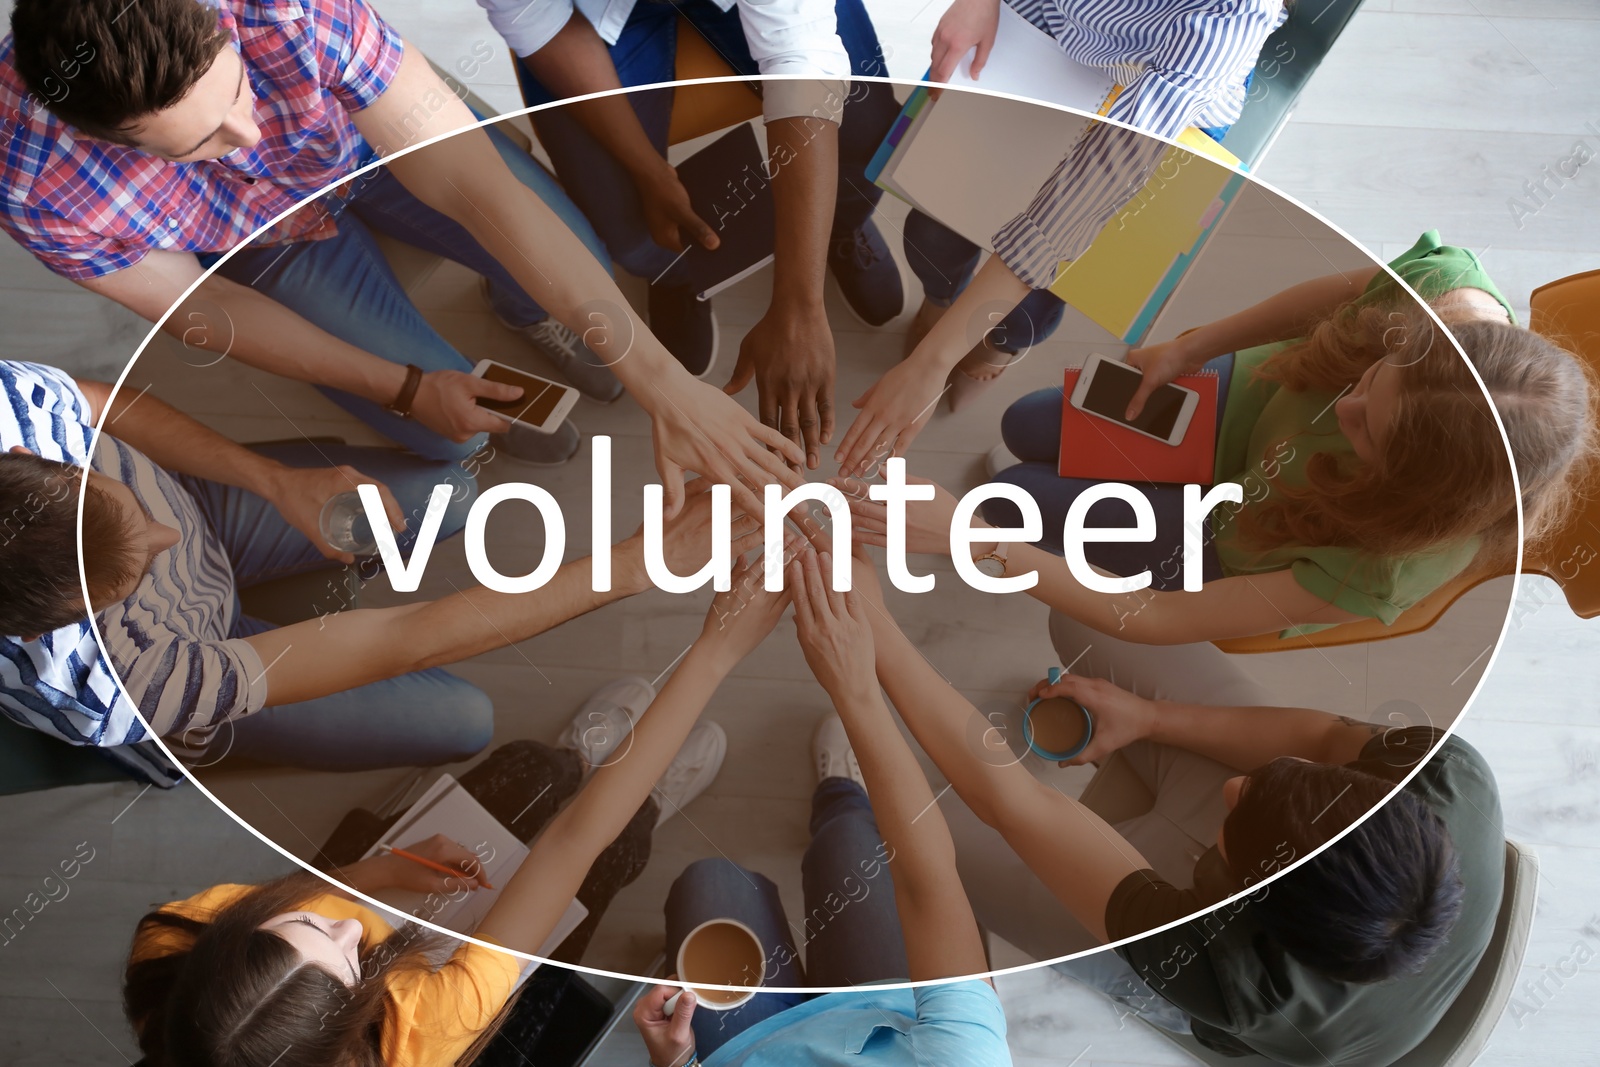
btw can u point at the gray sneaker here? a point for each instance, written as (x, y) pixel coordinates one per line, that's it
(575, 360)
(538, 449)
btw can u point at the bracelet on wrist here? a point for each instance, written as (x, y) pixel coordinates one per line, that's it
(692, 1061)
(401, 404)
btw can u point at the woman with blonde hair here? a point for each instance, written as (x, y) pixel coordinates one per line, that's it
(1369, 460)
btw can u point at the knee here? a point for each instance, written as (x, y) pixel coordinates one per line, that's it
(470, 717)
(1031, 427)
(715, 873)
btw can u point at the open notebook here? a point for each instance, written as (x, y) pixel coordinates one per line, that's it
(446, 808)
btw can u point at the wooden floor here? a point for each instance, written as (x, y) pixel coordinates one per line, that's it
(1430, 115)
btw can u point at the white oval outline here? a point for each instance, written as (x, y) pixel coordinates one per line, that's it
(985, 975)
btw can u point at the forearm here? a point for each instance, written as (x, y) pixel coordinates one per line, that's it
(180, 444)
(577, 62)
(1235, 606)
(995, 286)
(534, 899)
(1249, 737)
(804, 160)
(1078, 857)
(947, 726)
(464, 178)
(352, 648)
(234, 320)
(941, 934)
(1281, 317)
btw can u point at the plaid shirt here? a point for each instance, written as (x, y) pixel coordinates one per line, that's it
(87, 208)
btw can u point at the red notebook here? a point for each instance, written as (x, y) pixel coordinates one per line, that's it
(1100, 450)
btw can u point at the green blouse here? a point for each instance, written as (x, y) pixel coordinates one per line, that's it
(1269, 434)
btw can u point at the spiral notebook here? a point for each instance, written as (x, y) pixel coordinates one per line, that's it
(447, 808)
(1100, 450)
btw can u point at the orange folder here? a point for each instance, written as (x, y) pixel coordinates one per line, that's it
(1100, 450)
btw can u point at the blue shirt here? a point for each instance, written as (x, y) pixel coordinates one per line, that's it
(955, 1025)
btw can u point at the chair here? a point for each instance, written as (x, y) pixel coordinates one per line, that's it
(1116, 793)
(701, 109)
(1288, 59)
(1568, 312)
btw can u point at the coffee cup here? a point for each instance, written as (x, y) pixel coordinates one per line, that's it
(720, 952)
(1055, 727)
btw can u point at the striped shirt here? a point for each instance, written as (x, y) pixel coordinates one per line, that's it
(168, 641)
(1183, 63)
(86, 208)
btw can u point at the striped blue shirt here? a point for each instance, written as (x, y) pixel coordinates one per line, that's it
(1182, 62)
(168, 642)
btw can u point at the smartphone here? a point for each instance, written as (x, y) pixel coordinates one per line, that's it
(543, 405)
(1106, 386)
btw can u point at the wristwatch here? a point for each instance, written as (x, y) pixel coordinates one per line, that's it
(401, 405)
(992, 564)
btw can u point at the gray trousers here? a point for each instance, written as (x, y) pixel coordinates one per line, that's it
(1012, 902)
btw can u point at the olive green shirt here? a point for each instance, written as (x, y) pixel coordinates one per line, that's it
(1244, 993)
(1270, 433)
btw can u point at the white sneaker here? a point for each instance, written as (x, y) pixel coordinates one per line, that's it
(692, 770)
(830, 747)
(603, 725)
(999, 459)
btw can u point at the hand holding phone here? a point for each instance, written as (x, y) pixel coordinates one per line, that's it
(1107, 386)
(543, 405)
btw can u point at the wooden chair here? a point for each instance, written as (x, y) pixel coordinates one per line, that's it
(1568, 312)
(1116, 793)
(701, 109)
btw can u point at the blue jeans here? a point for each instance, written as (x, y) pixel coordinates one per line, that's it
(851, 928)
(645, 53)
(421, 718)
(1031, 429)
(345, 286)
(944, 262)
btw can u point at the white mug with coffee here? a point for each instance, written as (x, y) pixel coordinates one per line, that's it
(720, 952)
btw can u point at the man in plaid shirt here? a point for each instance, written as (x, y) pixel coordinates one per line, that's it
(141, 141)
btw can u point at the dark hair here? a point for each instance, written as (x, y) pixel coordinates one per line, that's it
(1376, 905)
(101, 65)
(241, 996)
(39, 586)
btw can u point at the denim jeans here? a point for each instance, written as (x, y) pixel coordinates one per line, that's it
(644, 54)
(1031, 429)
(422, 718)
(345, 286)
(851, 928)
(944, 262)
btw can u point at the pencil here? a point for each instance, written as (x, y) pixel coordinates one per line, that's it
(454, 872)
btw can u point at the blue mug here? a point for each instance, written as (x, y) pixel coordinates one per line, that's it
(1056, 731)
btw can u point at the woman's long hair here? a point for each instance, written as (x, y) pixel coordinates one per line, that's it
(1442, 476)
(241, 996)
